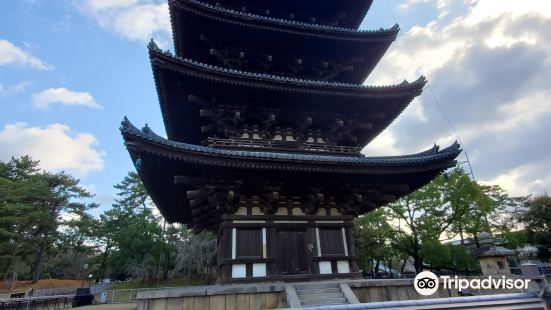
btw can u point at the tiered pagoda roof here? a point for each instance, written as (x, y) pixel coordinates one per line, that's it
(343, 13)
(253, 43)
(263, 104)
(171, 169)
(194, 92)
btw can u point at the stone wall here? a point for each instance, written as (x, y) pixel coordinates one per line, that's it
(229, 297)
(236, 301)
(391, 290)
(272, 295)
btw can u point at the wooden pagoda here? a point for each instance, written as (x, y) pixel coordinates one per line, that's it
(266, 115)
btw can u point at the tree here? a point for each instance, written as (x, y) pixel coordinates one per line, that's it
(536, 218)
(502, 218)
(135, 244)
(452, 203)
(196, 255)
(60, 201)
(374, 240)
(19, 195)
(422, 217)
(33, 205)
(469, 205)
(75, 246)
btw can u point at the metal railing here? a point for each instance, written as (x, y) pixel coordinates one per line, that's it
(52, 291)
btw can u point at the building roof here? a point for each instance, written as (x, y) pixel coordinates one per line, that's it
(345, 13)
(492, 251)
(177, 79)
(430, 156)
(160, 161)
(196, 30)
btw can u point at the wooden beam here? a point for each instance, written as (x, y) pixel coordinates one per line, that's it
(199, 219)
(394, 187)
(387, 198)
(372, 116)
(199, 100)
(196, 203)
(197, 211)
(184, 180)
(193, 194)
(207, 113)
(365, 125)
(206, 128)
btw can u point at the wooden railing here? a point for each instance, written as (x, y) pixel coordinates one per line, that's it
(275, 145)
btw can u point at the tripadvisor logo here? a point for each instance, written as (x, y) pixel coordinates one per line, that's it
(426, 283)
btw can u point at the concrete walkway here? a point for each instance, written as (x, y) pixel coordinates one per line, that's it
(126, 306)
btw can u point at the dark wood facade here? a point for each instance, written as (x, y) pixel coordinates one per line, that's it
(266, 115)
(286, 247)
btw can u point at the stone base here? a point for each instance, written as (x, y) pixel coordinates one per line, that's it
(269, 295)
(273, 295)
(219, 297)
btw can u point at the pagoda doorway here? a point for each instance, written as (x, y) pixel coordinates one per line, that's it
(293, 258)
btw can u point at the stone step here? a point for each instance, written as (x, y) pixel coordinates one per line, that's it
(319, 291)
(320, 296)
(316, 286)
(324, 302)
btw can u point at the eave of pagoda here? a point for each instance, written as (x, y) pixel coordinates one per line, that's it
(275, 46)
(343, 13)
(190, 183)
(199, 101)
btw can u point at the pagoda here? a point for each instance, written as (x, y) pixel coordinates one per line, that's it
(266, 116)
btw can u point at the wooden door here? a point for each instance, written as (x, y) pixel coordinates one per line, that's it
(292, 258)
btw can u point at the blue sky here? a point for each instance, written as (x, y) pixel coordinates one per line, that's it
(70, 70)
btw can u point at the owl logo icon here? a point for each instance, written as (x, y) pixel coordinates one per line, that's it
(426, 283)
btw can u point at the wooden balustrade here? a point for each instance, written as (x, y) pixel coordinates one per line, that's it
(276, 145)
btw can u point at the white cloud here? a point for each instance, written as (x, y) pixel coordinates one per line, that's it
(55, 145)
(531, 178)
(64, 96)
(91, 188)
(15, 89)
(489, 68)
(11, 54)
(383, 145)
(99, 5)
(135, 20)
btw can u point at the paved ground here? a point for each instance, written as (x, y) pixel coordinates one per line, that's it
(129, 306)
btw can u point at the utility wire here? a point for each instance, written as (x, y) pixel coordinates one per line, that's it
(410, 52)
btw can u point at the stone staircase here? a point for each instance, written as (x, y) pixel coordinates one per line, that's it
(319, 294)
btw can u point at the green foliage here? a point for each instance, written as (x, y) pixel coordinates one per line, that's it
(536, 217)
(196, 255)
(453, 206)
(375, 240)
(449, 257)
(46, 228)
(33, 207)
(137, 245)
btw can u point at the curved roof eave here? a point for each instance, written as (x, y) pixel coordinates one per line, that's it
(279, 24)
(165, 59)
(353, 20)
(445, 156)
